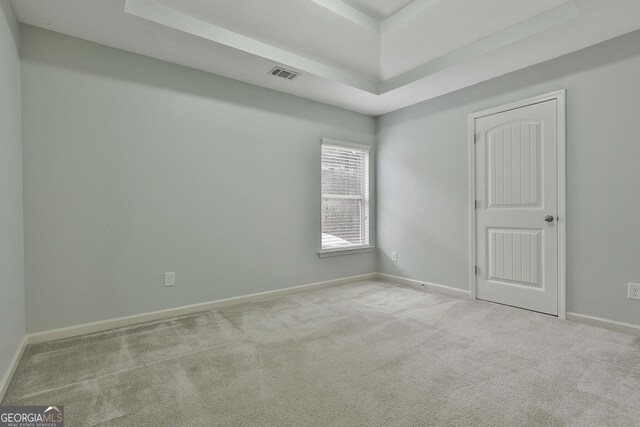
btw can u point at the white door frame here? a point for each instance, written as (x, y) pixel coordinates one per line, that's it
(560, 97)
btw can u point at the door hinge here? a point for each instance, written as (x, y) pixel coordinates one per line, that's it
(475, 138)
(476, 270)
(476, 205)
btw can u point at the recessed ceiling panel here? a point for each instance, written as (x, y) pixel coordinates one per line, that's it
(301, 27)
(449, 25)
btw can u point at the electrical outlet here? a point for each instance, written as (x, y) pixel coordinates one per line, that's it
(394, 256)
(634, 291)
(169, 279)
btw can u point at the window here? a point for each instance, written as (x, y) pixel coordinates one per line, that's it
(345, 196)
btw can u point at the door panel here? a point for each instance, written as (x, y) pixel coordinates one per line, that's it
(513, 256)
(514, 153)
(516, 187)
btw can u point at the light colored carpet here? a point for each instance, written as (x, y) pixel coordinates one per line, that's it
(364, 354)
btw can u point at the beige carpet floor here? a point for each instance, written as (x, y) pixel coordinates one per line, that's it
(363, 354)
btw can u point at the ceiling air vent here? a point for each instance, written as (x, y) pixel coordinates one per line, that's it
(285, 74)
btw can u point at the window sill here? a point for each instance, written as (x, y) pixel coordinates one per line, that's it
(346, 251)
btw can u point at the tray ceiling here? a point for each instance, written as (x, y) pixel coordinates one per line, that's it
(371, 56)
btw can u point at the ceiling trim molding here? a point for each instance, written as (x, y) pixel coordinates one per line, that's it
(497, 40)
(373, 23)
(407, 13)
(160, 14)
(339, 7)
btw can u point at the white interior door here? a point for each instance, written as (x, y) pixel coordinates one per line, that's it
(517, 207)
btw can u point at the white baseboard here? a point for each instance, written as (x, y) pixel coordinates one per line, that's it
(104, 325)
(11, 369)
(605, 323)
(431, 286)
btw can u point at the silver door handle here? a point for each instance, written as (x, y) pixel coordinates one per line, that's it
(548, 218)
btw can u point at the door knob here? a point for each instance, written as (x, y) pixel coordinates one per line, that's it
(548, 218)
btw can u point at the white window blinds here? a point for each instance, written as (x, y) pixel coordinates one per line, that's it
(345, 196)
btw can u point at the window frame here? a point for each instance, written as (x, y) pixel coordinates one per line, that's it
(365, 198)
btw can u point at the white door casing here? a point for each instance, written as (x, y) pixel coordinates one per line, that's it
(518, 193)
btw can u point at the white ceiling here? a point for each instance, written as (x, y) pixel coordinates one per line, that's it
(371, 56)
(450, 25)
(267, 21)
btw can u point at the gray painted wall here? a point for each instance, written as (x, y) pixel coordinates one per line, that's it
(11, 242)
(423, 177)
(134, 167)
